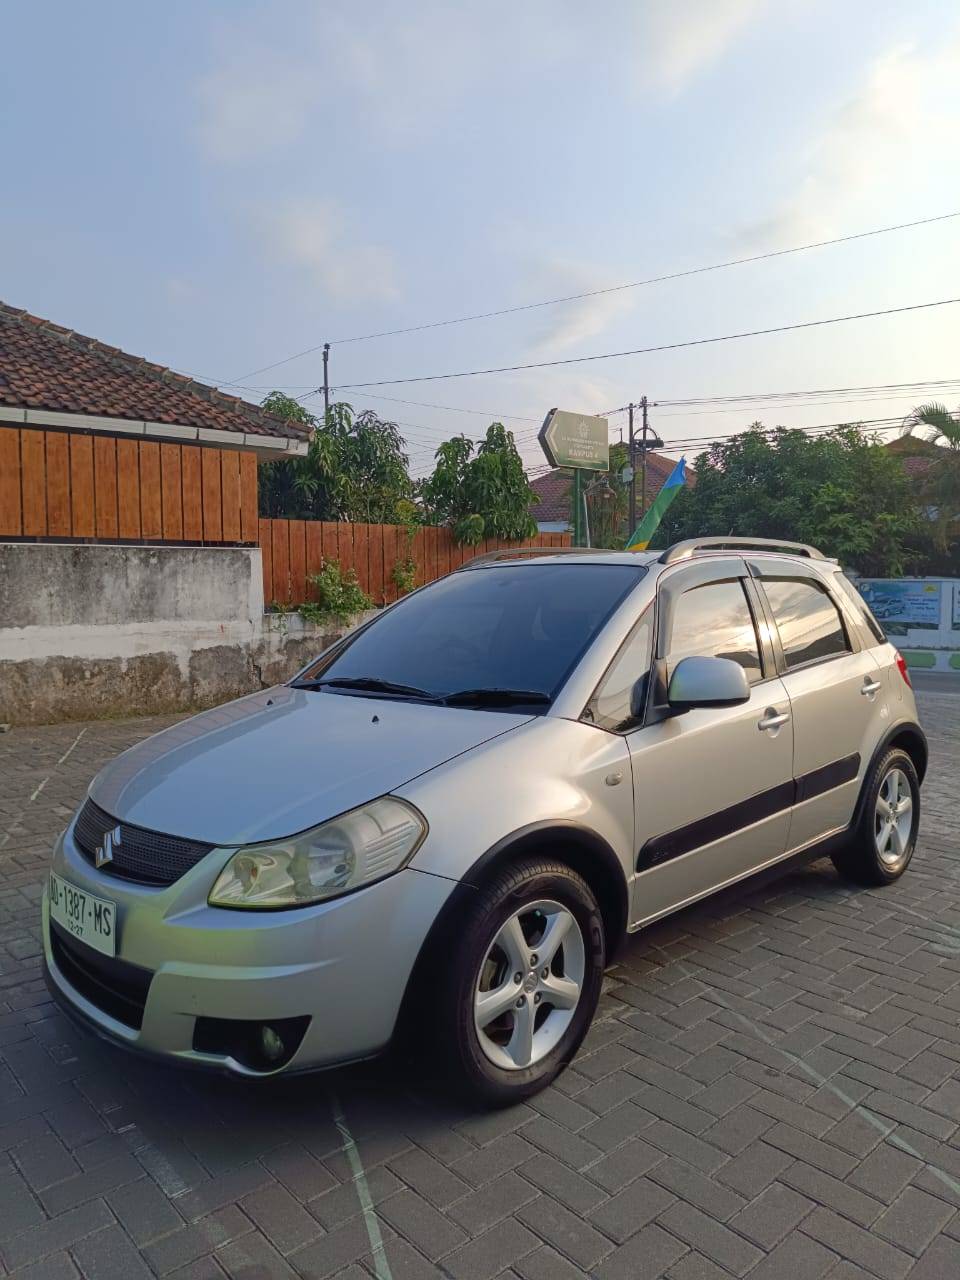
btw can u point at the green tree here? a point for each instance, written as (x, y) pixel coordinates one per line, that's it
(355, 469)
(935, 425)
(277, 481)
(480, 492)
(608, 502)
(842, 491)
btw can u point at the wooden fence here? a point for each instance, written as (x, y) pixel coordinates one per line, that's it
(295, 549)
(55, 484)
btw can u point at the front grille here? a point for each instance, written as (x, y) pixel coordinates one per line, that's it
(114, 986)
(146, 856)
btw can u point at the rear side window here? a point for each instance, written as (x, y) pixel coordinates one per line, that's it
(714, 621)
(809, 623)
(863, 610)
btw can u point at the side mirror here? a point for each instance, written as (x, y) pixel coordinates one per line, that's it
(638, 698)
(707, 682)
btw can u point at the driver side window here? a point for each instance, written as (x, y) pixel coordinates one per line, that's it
(715, 621)
(617, 702)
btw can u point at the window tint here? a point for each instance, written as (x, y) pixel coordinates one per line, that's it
(611, 706)
(714, 621)
(862, 608)
(512, 627)
(809, 622)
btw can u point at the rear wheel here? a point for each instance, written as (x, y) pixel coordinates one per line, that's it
(885, 837)
(522, 985)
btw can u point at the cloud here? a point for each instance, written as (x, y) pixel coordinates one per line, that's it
(179, 290)
(681, 40)
(902, 121)
(571, 324)
(255, 101)
(403, 69)
(313, 235)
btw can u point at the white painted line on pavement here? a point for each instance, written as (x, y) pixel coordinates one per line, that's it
(371, 1222)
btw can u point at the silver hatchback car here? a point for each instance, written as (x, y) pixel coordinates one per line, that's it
(450, 819)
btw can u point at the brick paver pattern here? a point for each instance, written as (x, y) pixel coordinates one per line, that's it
(770, 1090)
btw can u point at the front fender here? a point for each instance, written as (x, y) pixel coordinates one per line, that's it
(550, 771)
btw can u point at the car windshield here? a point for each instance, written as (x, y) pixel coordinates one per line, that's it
(488, 638)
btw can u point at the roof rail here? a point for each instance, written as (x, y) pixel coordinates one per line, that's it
(511, 553)
(683, 550)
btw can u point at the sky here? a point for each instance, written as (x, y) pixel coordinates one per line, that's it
(220, 184)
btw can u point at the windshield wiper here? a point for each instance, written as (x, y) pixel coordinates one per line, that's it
(495, 697)
(370, 684)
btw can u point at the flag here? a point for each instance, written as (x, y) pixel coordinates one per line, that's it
(640, 538)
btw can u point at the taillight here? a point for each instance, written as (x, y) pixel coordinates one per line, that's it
(902, 667)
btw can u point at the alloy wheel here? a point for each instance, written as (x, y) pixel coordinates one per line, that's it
(894, 817)
(529, 985)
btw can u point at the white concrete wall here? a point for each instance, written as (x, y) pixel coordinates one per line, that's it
(943, 640)
(89, 630)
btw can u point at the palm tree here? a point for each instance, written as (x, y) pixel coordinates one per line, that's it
(936, 425)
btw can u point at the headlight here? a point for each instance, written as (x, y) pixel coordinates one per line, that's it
(346, 853)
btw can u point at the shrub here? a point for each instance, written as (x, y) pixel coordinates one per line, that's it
(339, 595)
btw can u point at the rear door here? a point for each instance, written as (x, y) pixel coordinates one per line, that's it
(837, 696)
(713, 787)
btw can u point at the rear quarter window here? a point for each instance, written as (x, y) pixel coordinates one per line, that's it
(861, 608)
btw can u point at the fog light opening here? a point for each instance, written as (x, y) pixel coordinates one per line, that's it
(258, 1046)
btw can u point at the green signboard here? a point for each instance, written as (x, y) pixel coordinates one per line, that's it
(575, 440)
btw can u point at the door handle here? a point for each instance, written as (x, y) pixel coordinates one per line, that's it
(773, 719)
(869, 687)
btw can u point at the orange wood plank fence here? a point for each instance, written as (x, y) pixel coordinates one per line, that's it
(294, 549)
(55, 484)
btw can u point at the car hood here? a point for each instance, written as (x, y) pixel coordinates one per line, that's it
(284, 760)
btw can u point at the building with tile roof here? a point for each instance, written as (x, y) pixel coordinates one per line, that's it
(552, 512)
(51, 376)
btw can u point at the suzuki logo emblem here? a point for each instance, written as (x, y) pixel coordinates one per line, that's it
(104, 853)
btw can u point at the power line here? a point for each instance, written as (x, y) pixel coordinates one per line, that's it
(766, 395)
(617, 288)
(452, 408)
(640, 351)
(691, 442)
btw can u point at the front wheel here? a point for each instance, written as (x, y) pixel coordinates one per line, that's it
(883, 841)
(523, 983)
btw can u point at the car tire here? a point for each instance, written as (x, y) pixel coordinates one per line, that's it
(500, 956)
(885, 835)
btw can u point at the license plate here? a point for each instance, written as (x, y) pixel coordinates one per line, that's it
(92, 920)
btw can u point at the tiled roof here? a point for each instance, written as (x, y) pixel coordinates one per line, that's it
(553, 490)
(917, 455)
(46, 366)
(553, 487)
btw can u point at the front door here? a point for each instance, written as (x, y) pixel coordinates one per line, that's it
(836, 691)
(713, 787)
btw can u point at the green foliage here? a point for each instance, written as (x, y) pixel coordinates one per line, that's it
(935, 426)
(340, 596)
(842, 491)
(277, 481)
(356, 468)
(480, 493)
(608, 502)
(404, 573)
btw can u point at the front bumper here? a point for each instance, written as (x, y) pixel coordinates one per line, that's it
(343, 964)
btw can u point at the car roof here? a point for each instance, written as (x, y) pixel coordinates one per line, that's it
(562, 555)
(677, 554)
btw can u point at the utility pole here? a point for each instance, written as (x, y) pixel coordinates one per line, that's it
(633, 474)
(326, 382)
(643, 457)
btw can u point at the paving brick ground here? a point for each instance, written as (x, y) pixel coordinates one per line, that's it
(772, 1090)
